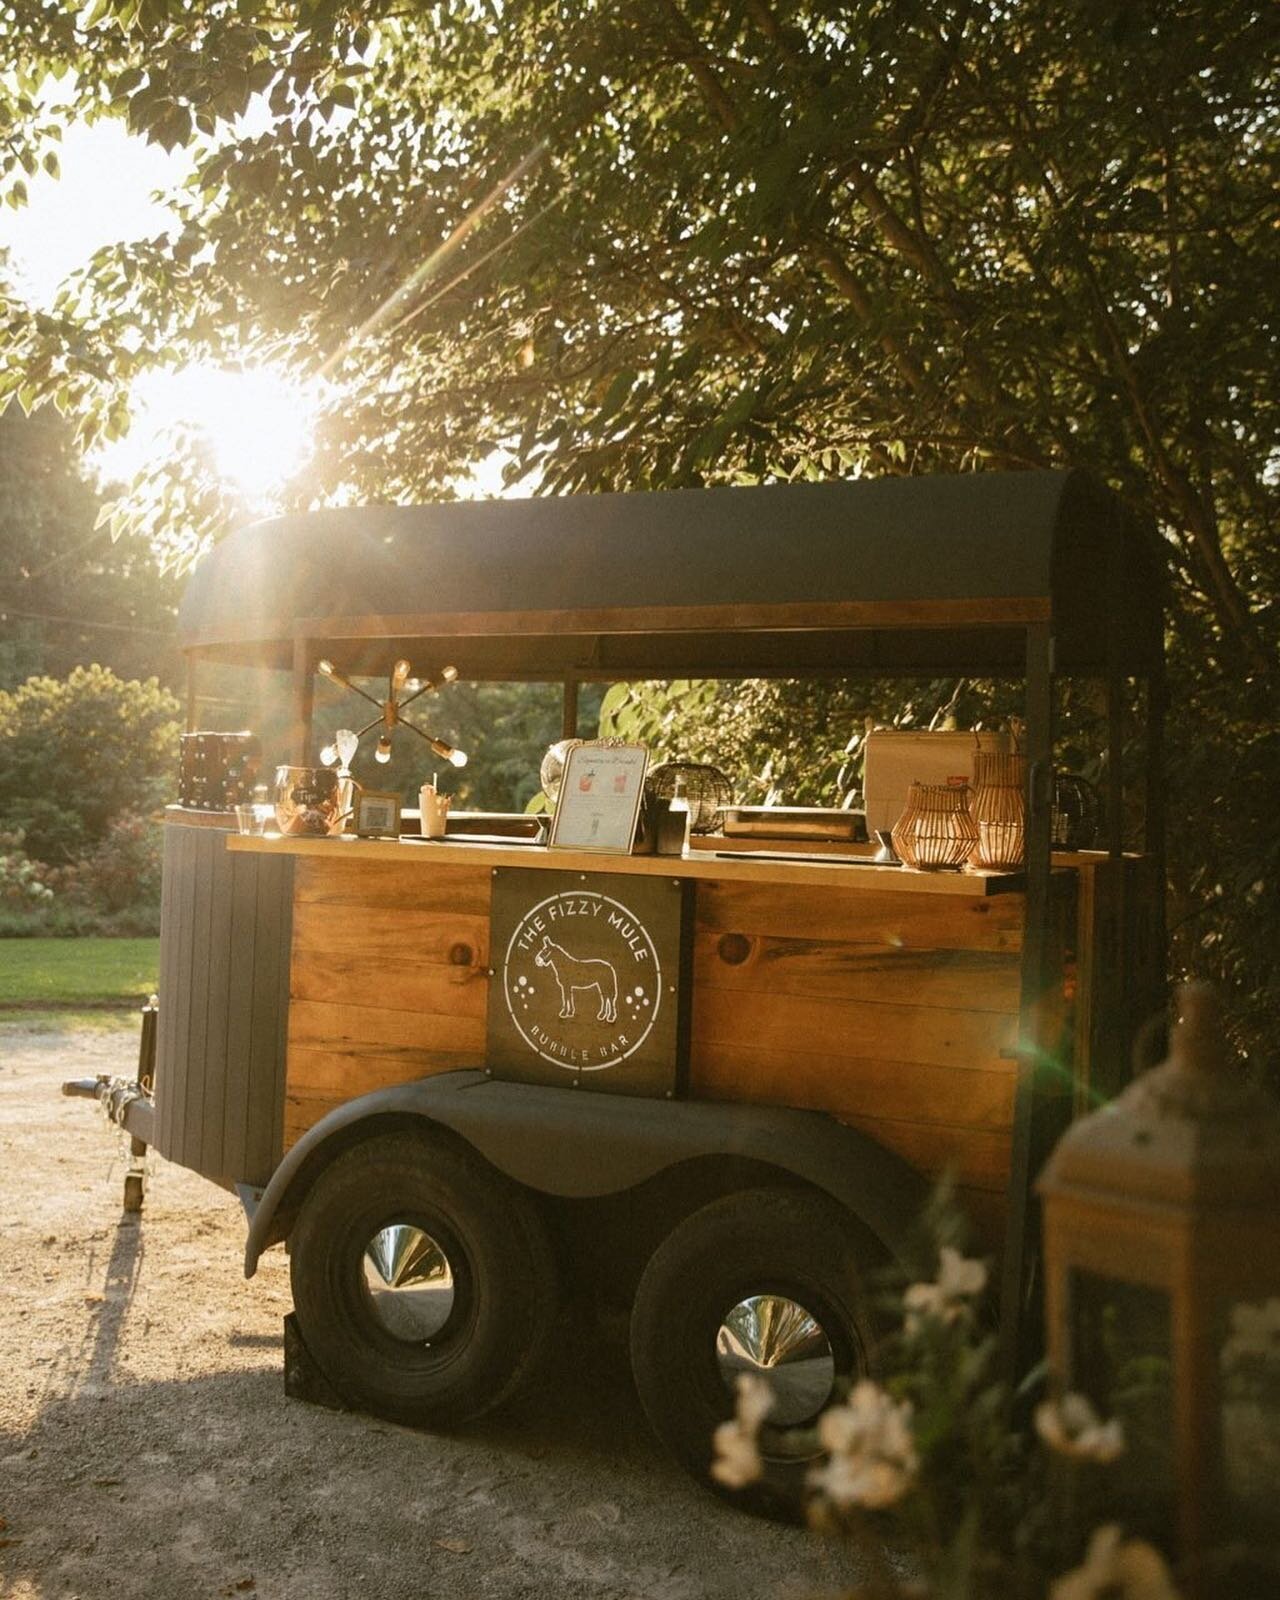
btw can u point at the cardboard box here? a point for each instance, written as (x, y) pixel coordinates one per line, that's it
(897, 758)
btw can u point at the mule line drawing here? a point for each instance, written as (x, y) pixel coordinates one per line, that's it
(572, 975)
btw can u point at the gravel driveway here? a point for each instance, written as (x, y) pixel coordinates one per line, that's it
(147, 1448)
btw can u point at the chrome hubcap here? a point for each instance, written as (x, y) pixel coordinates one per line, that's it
(409, 1282)
(776, 1339)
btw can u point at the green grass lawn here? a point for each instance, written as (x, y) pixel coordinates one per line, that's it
(63, 974)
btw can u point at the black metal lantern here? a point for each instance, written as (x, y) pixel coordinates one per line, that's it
(1162, 1260)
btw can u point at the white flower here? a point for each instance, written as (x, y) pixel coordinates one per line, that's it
(871, 1455)
(1073, 1428)
(1113, 1570)
(755, 1401)
(958, 1280)
(737, 1457)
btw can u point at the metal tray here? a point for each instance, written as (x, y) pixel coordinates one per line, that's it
(793, 822)
(508, 826)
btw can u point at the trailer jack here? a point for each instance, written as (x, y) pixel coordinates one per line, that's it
(128, 1106)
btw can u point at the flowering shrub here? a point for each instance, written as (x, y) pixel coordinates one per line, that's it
(113, 889)
(122, 873)
(76, 752)
(24, 883)
(930, 1459)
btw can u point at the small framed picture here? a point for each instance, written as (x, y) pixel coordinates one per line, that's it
(600, 794)
(377, 815)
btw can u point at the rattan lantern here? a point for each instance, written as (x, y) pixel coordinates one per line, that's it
(1162, 1267)
(935, 830)
(999, 808)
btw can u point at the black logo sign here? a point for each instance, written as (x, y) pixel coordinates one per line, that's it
(582, 980)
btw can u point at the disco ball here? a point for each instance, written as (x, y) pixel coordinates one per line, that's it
(552, 769)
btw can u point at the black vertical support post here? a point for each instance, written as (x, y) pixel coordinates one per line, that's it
(1116, 686)
(1146, 991)
(569, 713)
(1153, 808)
(1019, 1327)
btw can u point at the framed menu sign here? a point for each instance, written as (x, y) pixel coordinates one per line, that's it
(600, 795)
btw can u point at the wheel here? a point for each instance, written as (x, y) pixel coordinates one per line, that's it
(765, 1281)
(423, 1281)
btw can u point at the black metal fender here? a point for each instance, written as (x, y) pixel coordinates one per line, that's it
(583, 1145)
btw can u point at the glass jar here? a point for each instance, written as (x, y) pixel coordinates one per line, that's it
(307, 801)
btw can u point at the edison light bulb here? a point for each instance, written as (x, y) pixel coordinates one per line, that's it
(383, 752)
(328, 756)
(446, 752)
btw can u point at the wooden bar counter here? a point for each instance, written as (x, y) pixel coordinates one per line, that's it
(889, 998)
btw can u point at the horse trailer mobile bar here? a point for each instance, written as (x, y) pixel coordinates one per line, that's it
(809, 1044)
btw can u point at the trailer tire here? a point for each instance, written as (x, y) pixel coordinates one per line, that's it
(424, 1281)
(757, 1260)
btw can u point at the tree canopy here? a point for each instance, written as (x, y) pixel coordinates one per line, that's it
(750, 240)
(70, 595)
(76, 753)
(663, 242)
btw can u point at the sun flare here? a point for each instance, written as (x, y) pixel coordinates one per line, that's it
(256, 422)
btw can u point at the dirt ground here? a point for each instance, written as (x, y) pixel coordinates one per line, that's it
(147, 1447)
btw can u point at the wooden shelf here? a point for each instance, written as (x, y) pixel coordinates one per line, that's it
(189, 817)
(701, 864)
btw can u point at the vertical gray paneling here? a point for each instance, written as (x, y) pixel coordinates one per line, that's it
(244, 953)
(224, 957)
(214, 1087)
(183, 933)
(171, 1076)
(165, 1051)
(189, 1146)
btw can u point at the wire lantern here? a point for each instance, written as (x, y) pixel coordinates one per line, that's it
(706, 789)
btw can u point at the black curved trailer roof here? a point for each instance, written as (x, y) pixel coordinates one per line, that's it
(875, 574)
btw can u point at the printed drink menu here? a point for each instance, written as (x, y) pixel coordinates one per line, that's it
(600, 796)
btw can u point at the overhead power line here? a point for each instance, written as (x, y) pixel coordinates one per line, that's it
(82, 622)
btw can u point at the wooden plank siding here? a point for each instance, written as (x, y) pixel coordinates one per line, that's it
(388, 979)
(916, 921)
(898, 1014)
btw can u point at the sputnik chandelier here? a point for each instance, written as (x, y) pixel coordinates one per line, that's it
(390, 714)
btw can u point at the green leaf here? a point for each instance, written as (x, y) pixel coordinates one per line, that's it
(618, 390)
(614, 698)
